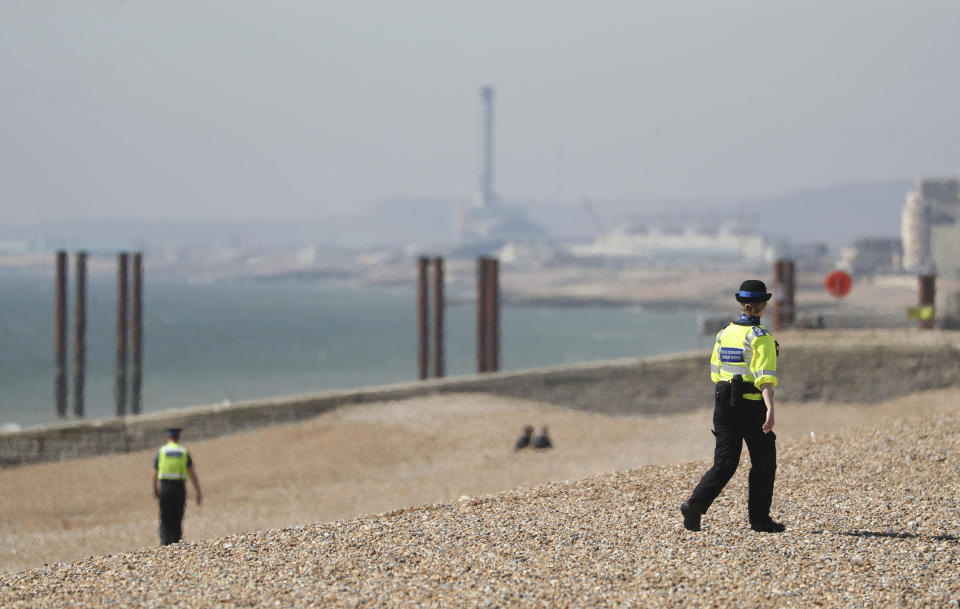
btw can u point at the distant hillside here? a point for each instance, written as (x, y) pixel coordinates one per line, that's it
(837, 215)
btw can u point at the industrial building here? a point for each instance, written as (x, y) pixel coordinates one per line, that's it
(930, 228)
(658, 244)
(488, 225)
(873, 256)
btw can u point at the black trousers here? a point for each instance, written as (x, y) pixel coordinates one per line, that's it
(173, 500)
(732, 425)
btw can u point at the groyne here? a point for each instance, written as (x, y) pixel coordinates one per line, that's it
(865, 370)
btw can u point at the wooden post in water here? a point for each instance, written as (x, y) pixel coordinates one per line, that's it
(120, 382)
(438, 318)
(423, 313)
(492, 315)
(481, 314)
(928, 296)
(136, 336)
(80, 335)
(60, 335)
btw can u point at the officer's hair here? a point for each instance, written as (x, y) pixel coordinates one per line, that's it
(754, 309)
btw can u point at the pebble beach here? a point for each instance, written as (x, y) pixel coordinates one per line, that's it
(870, 504)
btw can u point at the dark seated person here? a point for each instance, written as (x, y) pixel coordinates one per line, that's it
(524, 440)
(543, 440)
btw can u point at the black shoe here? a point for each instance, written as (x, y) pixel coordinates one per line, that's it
(768, 526)
(691, 515)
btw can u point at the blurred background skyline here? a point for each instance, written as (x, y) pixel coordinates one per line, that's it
(241, 111)
(270, 158)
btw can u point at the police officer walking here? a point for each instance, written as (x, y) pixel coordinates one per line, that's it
(744, 369)
(173, 466)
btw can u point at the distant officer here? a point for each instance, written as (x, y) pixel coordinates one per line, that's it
(524, 440)
(173, 466)
(543, 440)
(744, 369)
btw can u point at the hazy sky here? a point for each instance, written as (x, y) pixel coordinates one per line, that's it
(249, 108)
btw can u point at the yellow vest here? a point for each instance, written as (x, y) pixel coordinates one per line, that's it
(172, 462)
(749, 351)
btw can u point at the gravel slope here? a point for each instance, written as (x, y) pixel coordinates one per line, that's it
(367, 459)
(873, 520)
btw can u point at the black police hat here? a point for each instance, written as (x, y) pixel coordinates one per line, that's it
(753, 290)
(173, 431)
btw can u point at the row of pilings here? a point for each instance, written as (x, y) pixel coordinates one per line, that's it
(129, 325)
(488, 310)
(430, 298)
(129, 329)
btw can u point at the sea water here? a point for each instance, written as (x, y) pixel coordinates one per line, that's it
(236, 341)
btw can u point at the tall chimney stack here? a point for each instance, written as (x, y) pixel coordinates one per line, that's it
(486, 197)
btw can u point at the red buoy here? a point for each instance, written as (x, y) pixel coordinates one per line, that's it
(838, 283)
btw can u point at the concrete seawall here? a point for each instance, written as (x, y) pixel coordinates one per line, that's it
(812, 371)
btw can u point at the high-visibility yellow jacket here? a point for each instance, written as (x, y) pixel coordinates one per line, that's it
(173, 462)
(747, 350)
